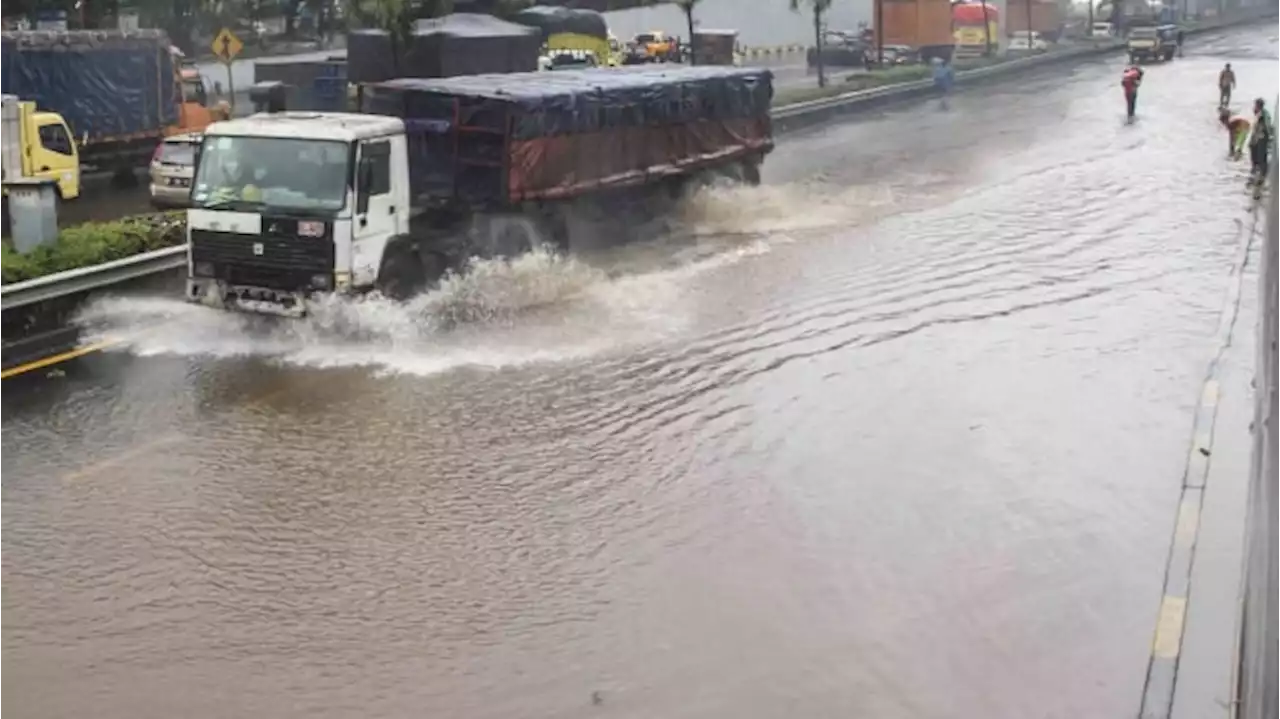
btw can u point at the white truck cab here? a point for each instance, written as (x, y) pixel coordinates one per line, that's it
(287, 204)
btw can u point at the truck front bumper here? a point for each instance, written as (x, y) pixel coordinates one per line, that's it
(256, 300)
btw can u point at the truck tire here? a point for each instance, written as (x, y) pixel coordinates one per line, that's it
(506, 236)
(751, 173)
(402, 273)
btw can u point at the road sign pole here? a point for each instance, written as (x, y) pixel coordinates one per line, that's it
(231, 88)
(226, 46)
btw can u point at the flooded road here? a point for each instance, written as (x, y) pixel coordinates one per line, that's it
(899, 434)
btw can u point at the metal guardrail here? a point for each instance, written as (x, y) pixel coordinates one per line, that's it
(88, 279)
(903, 88)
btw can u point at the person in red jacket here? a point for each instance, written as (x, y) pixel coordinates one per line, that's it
(1130, 81)
(1237, 132)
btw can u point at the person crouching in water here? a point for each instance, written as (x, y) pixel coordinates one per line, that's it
(1260, 142)
(1130, 81)
(1237, 133)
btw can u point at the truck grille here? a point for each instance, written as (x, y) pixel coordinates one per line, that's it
(286, 263)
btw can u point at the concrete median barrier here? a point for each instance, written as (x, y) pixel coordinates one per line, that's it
(1257, 664)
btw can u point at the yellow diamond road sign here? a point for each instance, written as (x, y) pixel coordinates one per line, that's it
(226, 45)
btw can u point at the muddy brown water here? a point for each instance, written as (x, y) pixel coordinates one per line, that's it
(898, 434)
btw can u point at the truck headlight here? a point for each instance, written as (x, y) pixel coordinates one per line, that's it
(202, 269)
(320, 282)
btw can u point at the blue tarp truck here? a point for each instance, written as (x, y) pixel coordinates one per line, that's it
(437, 171)
(117, 90)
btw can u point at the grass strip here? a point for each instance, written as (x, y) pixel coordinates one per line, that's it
(93, 243)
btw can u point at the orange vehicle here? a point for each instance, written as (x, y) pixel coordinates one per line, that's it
(925, 26)
(657, 46)
(194, 112)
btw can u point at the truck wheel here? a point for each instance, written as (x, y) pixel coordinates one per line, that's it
(505, 236)
(750, 173)
(401, 274)
(434, 268)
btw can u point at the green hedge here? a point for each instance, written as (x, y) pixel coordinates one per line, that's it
(94, 243)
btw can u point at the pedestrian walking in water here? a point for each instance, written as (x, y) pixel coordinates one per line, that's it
(1131, 80)
(1226, 82)
(1260, 142)
(944, 79)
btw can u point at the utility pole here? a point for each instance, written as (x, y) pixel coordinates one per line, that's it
(879, 23)
(1029, 47)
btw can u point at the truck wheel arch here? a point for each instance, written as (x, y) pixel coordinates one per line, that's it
(399, 270)
(407, 268)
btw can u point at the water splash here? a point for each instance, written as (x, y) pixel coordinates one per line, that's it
(540, 306)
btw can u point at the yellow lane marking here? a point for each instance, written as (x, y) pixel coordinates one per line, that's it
(1168, 641)
(58, 359)
(1188, 522)
(133, 452)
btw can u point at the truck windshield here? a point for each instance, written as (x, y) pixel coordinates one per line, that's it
(282, 173)
(1142, 33)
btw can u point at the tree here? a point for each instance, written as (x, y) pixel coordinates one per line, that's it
(986, 30)
(819, 8)
(687, 6)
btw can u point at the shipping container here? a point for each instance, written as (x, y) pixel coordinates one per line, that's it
(924, 25)
(1046, 18)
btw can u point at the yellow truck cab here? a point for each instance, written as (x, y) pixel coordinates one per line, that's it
(38, 145)
(657, 46)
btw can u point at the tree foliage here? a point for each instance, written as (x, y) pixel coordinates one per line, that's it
(819, 9)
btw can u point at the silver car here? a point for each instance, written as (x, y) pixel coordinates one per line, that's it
(172, 167)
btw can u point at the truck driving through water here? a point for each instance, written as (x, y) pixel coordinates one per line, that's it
(287, 205)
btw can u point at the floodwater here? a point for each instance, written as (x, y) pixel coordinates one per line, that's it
(898, 434)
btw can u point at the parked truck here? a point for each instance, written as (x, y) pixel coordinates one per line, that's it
(118, 91)
(37, 145)
(976, 28)
(196, 109)
(289, 205)
(922, 25)
(1039, 17)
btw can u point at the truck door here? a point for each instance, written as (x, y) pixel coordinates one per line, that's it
(376, 218)
(54, 156)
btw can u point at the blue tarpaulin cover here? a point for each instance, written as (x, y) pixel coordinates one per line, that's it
(108, 85)
(519, 136)
(469, 44)
(553, 20)
(541, 104)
